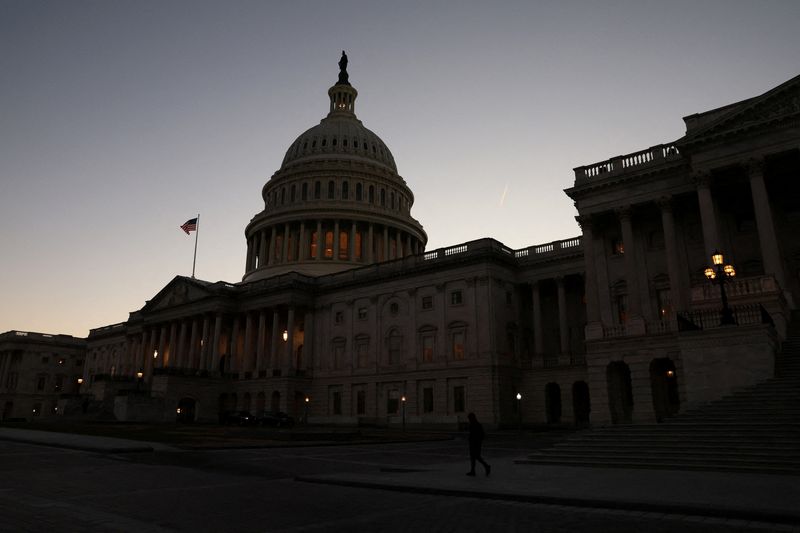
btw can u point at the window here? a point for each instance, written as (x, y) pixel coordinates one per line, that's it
(345, 190)
(41, 382)
(458, 345)
(338, 353)
(313, 250)
(339, 317)
(393, 402)
(293, 193)
(456, 298)
(337, 403)
(459, 399)
(361, 402)
(617, 247)
(664, 303)
(371, 194)
(383, 197)
(331, 190)
(621, 303)
(428, 343)
(60, 381)
(427, 400)
(394, 308)
(362, 350)
(343, 246)
(362, 313)
(427, 302)
(304, 193)
(358, 192)
(317, 190)
(395, 346)
(328, 245)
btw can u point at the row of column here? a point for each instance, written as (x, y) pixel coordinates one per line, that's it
(328, 240)
(5, 365)
(638, 296)
(249, 342)
(563, 325)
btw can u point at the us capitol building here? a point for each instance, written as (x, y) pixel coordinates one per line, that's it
(343, 317)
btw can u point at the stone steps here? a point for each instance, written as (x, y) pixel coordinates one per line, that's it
(755, 429)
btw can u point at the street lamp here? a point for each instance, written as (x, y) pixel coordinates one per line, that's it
(519, 412)
(403, 404)
(305, 417)
(719, 274)
(139, 379)
(80, 382)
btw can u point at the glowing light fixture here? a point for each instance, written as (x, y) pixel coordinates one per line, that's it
(308, 399)
(80, 381)
(670, 373)
(285, 335)
(155, 354)
(717, 258)
(140, 375)
(519, 396)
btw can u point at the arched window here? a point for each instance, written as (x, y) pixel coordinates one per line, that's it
(383, 197)
(358, 192)
(304, 194)
(317, 190)
(345, 190)
(283, 195)
(331, 189)
(394, 346)
(392, 199)
(372, 194)
(293, 194)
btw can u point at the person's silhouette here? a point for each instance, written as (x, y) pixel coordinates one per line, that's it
(475, 441)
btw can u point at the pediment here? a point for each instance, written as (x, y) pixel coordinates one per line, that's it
(778, 104)
(177, 292)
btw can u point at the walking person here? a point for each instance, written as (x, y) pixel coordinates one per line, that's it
(475, 440)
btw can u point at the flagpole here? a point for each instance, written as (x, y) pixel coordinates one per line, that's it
(196, 235)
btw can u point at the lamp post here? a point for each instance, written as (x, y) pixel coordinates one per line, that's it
(719, 274)
(519, 412)
(403, 405)
(139, 379)
(305, 416)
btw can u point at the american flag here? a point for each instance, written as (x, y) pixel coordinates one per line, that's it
(190, 225)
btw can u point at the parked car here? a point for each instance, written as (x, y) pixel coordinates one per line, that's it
(277, 419)
(238, 418)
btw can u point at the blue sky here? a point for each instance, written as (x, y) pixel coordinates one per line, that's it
(119, 120)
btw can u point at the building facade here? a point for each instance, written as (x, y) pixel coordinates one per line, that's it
(343, 317)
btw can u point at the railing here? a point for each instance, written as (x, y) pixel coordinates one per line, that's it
(619, 164)
(743, 315)
(736, 288)
(549, 248)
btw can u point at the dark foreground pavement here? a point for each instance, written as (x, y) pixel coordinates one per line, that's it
(344, 488)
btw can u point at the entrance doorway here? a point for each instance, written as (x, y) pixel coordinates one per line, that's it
(620, 393)
(664, 385)
(187, 410)
(552, 403)
(581, 405)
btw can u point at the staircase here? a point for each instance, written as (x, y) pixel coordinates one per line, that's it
(756, 429)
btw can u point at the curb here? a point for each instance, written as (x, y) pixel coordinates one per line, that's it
(85, 448)
(651, 507)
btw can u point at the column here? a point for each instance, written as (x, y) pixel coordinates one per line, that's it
(262, 254)
(308, 339)
(351, 245)
(247, 365)
(302, 250)
(708, 214)
(149, 348)
(204, 345)
(290, 340)
(261, 340)
(271, 251)
(676, 291)
(320, 241)
(335, 244)
(635, 321)
(285, 251)
(173, 341)
(215, 355)
(385, 243)
(398, 246)
(276, 335)
(770, 252)
(590, 281)
(233, 350)
(247, 260)
(563, 326)
(180, 353)
(191, 351)
(538, 332)
(370, 244)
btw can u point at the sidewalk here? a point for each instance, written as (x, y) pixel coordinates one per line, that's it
(753, 497)
(79, 442)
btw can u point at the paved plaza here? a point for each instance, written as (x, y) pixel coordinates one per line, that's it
(344, 488)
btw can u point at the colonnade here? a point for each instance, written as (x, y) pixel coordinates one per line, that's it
(257, 343)
(563, 317)
(598, 305)
(332, 240)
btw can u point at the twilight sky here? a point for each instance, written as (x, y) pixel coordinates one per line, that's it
(119, 120)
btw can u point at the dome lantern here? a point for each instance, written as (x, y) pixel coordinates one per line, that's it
(343, 95)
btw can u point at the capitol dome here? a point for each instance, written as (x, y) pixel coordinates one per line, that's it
(337, 202)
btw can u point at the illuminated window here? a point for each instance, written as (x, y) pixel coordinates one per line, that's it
(428, 343)
(621, 304)
(343, 238)
(329, 245)
(458, 345)
(617, 247)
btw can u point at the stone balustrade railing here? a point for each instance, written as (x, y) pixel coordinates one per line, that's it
(736, 288)
(617, 165)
